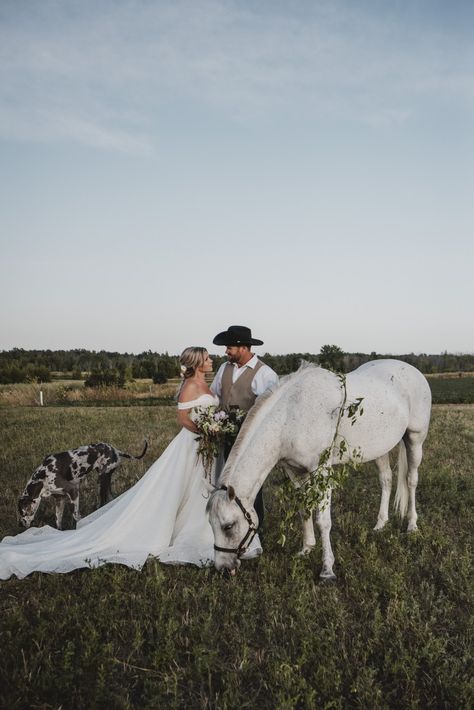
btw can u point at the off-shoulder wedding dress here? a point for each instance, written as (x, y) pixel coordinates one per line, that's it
(162, 515)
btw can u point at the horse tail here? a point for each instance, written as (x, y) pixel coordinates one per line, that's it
(401, 495)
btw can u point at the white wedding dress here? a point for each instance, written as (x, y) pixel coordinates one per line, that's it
(163, 515)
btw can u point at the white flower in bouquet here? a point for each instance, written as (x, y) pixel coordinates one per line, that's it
(215, 426)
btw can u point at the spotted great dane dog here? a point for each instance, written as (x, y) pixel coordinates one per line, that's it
(60, 475)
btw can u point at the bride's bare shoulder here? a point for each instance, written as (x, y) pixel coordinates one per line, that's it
(192, 390)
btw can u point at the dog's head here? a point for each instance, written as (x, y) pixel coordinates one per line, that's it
(28, 503)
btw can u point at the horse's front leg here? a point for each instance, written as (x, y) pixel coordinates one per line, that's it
(309, 540)
(323, 521)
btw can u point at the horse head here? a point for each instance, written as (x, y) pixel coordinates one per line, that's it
(234, 523)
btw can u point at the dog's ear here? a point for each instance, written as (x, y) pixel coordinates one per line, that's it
(230, 493)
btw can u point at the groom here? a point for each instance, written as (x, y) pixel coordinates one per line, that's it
(242, 379)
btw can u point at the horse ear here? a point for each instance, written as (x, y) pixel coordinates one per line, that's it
(230, 493)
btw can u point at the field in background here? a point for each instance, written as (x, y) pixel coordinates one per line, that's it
(395, 631)
(452, 390)
(448, 388)
(73, 392)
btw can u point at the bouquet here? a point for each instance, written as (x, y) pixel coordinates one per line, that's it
(216, 427)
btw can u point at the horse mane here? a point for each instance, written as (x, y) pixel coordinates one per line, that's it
(274, 393)
(305, 365)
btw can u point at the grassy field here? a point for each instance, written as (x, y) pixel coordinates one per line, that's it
(394, 631)
(73, 393)
(452, 390)
(446, 388)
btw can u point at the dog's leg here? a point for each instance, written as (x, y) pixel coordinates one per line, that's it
(74, 496)
(60, 502)
(71, 490)
(105, 477)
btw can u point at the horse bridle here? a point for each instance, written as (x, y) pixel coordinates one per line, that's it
(249, 535)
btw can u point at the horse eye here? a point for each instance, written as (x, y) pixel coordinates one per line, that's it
(229, 526)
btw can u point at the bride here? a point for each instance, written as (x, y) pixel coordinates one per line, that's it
(162, 515)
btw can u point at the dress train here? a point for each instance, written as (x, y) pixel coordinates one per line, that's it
(162, 515)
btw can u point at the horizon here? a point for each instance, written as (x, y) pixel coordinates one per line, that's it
(259, 354)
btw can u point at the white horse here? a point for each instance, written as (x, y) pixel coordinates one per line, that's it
(296, 422)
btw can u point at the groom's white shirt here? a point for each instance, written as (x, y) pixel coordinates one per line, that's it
(265, 378)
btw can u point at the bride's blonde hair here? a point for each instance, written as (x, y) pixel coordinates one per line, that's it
(190, 359)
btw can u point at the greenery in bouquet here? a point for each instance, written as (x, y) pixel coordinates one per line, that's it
(216, 426)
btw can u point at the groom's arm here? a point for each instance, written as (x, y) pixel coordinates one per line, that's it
(265, 379)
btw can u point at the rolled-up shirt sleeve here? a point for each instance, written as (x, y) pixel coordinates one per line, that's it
(265, 379)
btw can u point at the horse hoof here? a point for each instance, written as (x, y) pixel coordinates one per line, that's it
(412, 528)
(305, 551)
(380, 526)
(327, 579)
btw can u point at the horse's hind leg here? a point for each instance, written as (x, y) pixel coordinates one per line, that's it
(385, 478)
(323, 521)
(414, 446)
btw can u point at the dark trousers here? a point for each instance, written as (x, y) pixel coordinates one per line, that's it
(258, 505)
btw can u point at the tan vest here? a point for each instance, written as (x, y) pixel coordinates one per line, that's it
(239, 393)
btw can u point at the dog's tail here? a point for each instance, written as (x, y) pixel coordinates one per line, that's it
(131, 456)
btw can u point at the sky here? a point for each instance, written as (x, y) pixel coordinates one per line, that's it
(171, 167)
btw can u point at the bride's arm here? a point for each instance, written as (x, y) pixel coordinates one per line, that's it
(185, 420)
(188, 393)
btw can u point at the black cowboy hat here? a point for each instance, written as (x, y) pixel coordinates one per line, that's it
(236, 335)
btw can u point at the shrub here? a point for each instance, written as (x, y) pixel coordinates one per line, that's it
(159, 378)
(105, 378)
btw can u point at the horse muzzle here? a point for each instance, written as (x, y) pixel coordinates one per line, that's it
(225, 562)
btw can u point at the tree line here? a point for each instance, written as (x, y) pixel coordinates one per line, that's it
(105, 368)
(102, 367)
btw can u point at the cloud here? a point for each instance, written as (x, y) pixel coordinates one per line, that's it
(101, 74)
(44, 124)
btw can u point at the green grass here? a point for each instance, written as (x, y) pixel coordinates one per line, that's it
(452, 390)
(395, 631)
